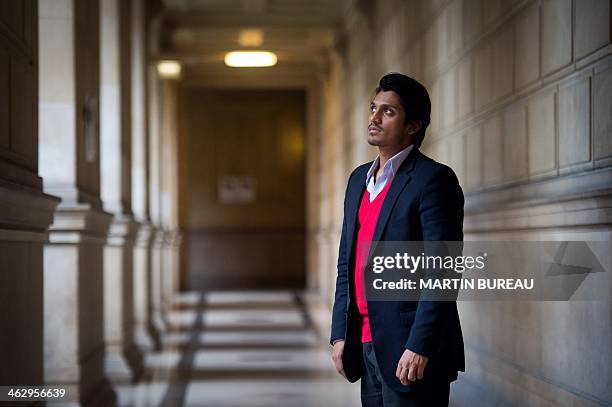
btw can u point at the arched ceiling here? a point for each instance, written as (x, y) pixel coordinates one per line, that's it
(200, 32)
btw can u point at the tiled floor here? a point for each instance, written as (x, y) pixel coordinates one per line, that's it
(241, 349)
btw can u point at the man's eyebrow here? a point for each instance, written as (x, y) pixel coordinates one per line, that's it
(372, 103)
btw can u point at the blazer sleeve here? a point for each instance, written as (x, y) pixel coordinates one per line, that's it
(441, 217)
(338, 327)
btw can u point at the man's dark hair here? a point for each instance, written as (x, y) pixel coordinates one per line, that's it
(413, 97)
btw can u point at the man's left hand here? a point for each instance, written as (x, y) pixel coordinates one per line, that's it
(410, 367)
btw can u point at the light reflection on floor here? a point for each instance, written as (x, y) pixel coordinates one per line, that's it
(241, 349)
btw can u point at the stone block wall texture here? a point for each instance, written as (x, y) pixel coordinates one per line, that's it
(521, 93)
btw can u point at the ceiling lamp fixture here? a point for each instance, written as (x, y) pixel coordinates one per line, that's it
(249, 59)
(169, 69)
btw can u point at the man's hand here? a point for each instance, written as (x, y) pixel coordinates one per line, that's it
(337, 356)
(410, 367)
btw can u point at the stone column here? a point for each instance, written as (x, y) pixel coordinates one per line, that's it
(25, 211)
(70, 166)
(124, 361)
(176, 239)
(123, 358)
(170, 267)
(158, 317)
(169, 192)
(146, 335)
(158, 307)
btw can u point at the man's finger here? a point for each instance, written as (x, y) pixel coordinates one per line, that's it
(339, 367)
(412, 372)
(421, 370)
(398, 371)
(403, 377)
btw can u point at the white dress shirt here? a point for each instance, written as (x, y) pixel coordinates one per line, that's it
(376, 185)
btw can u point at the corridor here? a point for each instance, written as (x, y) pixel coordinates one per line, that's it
(230, 349)
(173, 191)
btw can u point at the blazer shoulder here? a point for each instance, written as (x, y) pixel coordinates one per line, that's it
(360, 171)
(436, 169)
(362, 168)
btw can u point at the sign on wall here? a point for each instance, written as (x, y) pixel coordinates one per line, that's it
(236, 189)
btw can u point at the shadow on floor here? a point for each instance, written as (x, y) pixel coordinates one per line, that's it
(241, 349)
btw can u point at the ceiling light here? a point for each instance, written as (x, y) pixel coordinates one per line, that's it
(245, 59)
(169, 69)
(251, 38)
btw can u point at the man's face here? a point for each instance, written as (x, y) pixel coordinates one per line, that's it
(387, 126)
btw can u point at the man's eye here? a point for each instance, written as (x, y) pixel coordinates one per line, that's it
(388, 111)
(372, 108)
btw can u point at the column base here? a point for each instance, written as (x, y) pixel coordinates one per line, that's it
(143, 339)
(161, 320)
(155, 335)
(73, 305)
(123, 362)
(135, 360)
(158, 316)
(101, 396)
(123, 366)
(116, 366)
(160, 323)
(26, 214)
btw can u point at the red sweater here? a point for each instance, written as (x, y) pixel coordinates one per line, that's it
(368, 216)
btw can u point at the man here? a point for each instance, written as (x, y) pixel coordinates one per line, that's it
(405, 352)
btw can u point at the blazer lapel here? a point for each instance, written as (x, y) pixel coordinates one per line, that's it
(354, 200)
(397, 186)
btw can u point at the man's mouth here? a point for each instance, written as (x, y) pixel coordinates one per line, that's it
(374, 129)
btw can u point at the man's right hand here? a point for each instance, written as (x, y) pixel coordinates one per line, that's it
(337, 356)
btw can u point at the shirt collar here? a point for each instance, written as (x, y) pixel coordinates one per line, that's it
(392, 165)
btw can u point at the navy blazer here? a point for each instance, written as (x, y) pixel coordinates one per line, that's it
(424, 203)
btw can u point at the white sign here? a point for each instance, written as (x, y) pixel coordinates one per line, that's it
(234, 189)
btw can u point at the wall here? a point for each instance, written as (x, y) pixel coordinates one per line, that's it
(259, 134)
(25, 211)
(521, 94)
(18, 64)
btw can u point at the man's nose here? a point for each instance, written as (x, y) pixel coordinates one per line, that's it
(375, 117)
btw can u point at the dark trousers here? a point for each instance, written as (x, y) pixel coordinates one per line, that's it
(375, 393)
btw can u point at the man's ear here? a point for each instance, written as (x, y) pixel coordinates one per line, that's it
(413, 127)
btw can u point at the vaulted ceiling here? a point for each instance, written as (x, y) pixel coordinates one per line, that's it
(200, 32)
